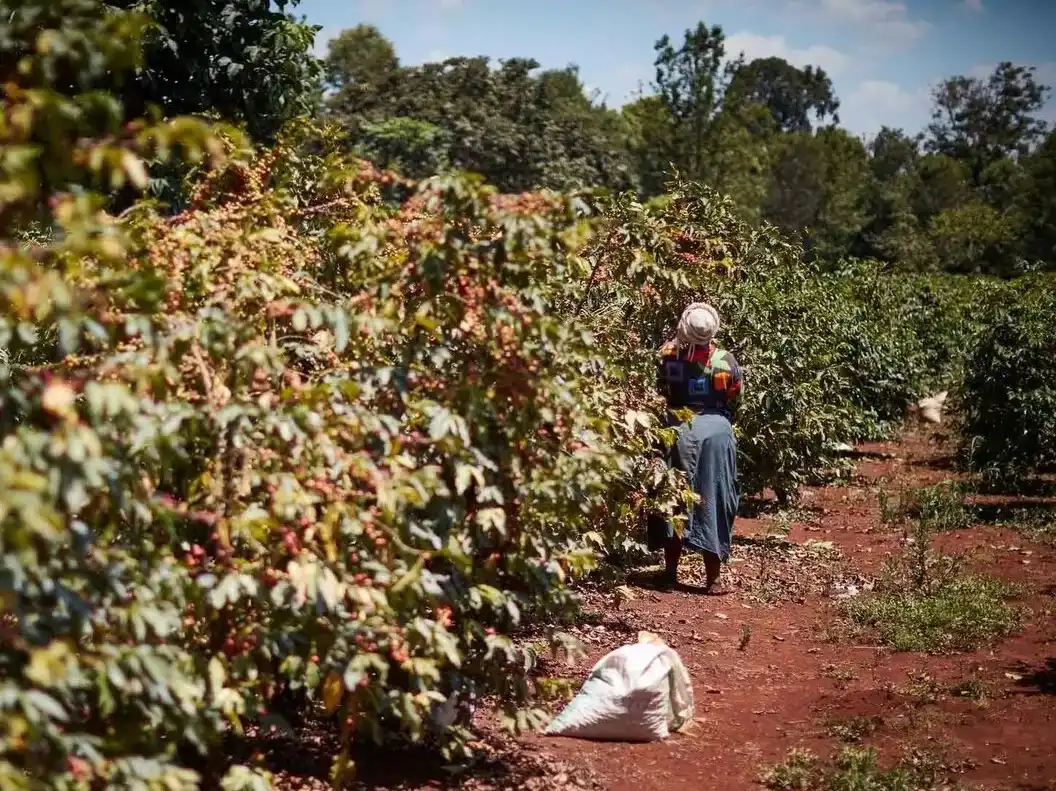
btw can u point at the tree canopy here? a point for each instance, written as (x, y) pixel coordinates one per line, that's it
(764, 132)
(249, 60)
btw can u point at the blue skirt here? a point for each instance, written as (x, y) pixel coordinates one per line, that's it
(706, 451)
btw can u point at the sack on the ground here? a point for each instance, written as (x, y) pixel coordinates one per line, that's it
(637, 693)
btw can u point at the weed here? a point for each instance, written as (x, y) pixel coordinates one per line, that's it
(854, 729)
(925, 688)
(942, 506)
(959, 616)
(591, 618)
(554, 689)
(973, 689)
(889, 510)
(852, 768)
(785, 518)
(920, 568)
(925, 602)
(840, 672)
(797, 773)
(1038, 524)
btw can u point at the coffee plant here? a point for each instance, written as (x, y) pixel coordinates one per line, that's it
(251, 456)
(1008, 394)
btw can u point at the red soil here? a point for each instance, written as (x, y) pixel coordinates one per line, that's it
(788, 684)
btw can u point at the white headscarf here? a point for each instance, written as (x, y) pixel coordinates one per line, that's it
(699, 325)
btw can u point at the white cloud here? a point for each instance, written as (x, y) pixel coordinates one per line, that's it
(888, 20)
(449, 4)
(975, 6)
(755, 46)
(876, 103)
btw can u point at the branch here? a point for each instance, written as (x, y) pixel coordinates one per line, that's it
(203, 370)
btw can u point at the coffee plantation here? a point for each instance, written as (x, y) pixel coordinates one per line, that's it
(320, 443)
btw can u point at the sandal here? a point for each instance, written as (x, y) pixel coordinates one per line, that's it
(716, 588)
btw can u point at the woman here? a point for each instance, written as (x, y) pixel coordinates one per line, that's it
(695, 374)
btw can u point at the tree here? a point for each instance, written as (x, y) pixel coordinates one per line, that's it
(495, 118)
(980, 121)
(360, 67)
(892, 153)
(974, 238)
(892, 230)
(691, 83)
(816, 190)
(1038, 203)
(239, 59)
(939, 182)
(518, 128)
(746, 142)
(414, 148)
(796, 98)
(648, 125)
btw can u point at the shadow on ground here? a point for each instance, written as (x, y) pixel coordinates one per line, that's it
(1039, 680)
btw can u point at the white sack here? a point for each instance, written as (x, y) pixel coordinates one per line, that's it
(637, 693)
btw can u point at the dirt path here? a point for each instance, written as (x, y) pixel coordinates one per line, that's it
(772, 672)
(988, 717)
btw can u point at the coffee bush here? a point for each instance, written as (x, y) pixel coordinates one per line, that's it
(293, 451)
(1008, 396)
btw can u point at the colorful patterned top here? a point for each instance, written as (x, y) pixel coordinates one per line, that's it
(702, 378)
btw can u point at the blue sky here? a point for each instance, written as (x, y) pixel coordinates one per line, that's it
(883, 55)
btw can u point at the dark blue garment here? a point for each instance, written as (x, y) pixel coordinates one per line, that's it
(706, 451)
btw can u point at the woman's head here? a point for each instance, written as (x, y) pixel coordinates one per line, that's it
(699, 324)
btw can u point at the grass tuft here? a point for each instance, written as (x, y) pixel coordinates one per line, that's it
(961, 615)
(943, 506)
(925, 601)
(852, 768)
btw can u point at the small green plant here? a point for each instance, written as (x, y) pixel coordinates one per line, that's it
(854, 729)
(925, 688)
(975, 690)
(924, 601)
(554, 689)
(796, 772)
(889, 512)
(843, 673)
(921, 568)
(941, 505)
(961, 615)
(852, 768)
(1039, 524)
